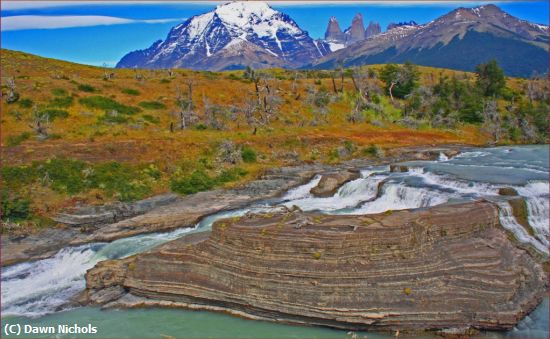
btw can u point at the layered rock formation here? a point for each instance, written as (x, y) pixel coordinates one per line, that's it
(423, 269)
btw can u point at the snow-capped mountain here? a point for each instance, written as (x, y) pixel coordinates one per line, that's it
(233, 36)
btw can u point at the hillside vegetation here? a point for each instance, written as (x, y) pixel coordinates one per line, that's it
(79, 134)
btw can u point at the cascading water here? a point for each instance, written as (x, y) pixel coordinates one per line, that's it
(44, 286)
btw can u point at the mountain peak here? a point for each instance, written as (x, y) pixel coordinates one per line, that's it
(333, 32)
(357, 30)
(244, 11)
(205, 41)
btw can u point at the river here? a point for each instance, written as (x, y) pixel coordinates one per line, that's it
(36, 292)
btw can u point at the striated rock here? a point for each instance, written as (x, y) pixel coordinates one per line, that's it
(331, 182)
(373, 29)
(96, 215)
(408, 270)
(157, 214)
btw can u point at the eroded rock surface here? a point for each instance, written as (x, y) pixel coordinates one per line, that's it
(408, 270)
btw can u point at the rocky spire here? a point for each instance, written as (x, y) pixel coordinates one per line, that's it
(357, 30)
(334, 33)
(373, 29)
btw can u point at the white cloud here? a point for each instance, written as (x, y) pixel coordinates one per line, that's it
(18, 5)
(21, 22)
(468, 3)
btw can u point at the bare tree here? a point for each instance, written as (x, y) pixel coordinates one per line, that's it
(537, 87)
(185, 102)
(137, 75)
(250, 110)
(40, 123)
(294, 86)
(107, 73)
(491, 118)
(229, 153)
(214, 114)
(13, 96)
(364, 82)
(319, 100)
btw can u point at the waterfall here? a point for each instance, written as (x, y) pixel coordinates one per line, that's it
(508, 221)
(302, 191)
(44, 286)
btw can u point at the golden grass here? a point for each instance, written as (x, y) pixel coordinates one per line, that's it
(82, 137)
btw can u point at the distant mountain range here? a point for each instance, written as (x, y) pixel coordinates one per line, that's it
(240, 34)
(356, 32)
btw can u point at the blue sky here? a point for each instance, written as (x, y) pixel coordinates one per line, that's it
(127, 26)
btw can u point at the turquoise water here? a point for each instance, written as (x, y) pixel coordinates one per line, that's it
(156, 322)
(36, 293)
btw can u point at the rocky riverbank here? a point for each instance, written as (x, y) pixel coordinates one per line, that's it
(167, 212)
(407, 270)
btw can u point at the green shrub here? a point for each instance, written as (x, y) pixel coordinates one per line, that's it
(113, 119)
(101, 102)
(120, 180)
(14, 208)
(248, 154)
(64, 175)
(130, 91)
(15, 177)
(25, 103)
(63, 102)
(86, 88)
(349, 146)
(201, 127)
(150, 118)
(152, 105)
(372, 151)
(14, 140)
(231, 174)
(59, 92)
(152, 171)
(54, 113)
(195, 182)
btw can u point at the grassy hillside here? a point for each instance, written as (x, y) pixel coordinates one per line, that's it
(114, 134)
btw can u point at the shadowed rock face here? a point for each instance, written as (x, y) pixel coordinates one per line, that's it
(411, 270)
(356, 32)
(333, 32)
(373, 29)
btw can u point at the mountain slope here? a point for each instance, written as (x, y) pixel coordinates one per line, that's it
(460, 39)
(234, 35)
